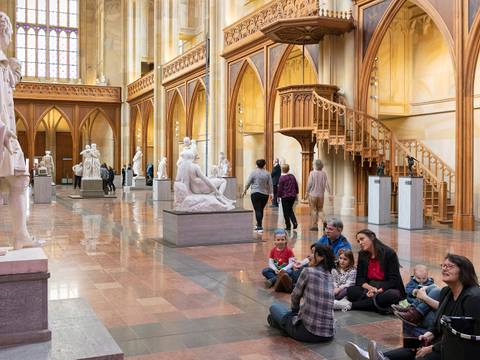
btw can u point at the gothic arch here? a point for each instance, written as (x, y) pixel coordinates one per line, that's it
(199, 84)
(64, 116)
(366, 66)
(22, 119)
(169, 128)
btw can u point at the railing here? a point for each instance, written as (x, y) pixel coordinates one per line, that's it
(364, 135)
(141, 86)
(188, 61)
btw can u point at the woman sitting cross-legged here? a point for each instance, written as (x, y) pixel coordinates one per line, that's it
(459, 298)
(378, 284)
(312, 320)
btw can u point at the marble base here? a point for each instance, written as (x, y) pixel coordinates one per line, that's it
(76, 334)
(128, 178)
(24, 297)
(220, 227)
(139, 183)
(162, 190)
(117, 181)
(410, 202)
(379, 199)
(42, 190)
(231, 189)
(92, 188)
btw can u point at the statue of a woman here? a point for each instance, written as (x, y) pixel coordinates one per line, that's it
(162, 169)
(14, 177)
(137, 162)
(223, 165)
(87, 162)
(95, 162)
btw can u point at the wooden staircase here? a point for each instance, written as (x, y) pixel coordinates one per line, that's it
(360, 134)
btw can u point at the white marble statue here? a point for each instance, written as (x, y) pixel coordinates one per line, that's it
(188, 145)
(223, 165)
(49, 163)
(162, 169)
(14, 178)
(137, 163)
(95, 162)
(196, 192)
(87, 162)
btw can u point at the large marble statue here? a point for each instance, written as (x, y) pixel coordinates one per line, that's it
(137, 162)
(95, 162)
(223, 165)
(87, 162)
(49, 163)
(196, 192)
(14, 177)
(162, 169)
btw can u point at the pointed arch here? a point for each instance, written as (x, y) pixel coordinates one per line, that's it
(64, 115)
(199, 85)
(366, 66)
(170, 126)
(20, 116)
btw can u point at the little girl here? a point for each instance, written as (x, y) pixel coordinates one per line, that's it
(343, 277)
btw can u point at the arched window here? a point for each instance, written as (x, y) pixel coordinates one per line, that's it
(47, 38)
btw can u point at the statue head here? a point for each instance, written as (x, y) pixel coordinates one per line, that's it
(139, 148)
(186, 141)
(47, 152)
(94, 146)
(87, 147)
(6, 31)
(164, 159)
(221, 155)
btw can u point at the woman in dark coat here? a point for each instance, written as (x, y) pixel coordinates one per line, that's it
(378, 284)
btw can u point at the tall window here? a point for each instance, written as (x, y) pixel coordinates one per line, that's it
(47, 38)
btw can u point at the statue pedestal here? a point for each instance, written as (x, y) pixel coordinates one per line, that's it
(202, 228)
(42, 189)
(379, 199)
(92, 188)
(410, 202)
(162, 190)
(231, 189)
(24, 297)
(128, 177)
(140, 183)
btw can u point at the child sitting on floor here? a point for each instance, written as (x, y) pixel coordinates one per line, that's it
(343, 277)
(280, 264)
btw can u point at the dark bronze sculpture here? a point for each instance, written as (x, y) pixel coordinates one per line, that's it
(410, 161)
(381, 169)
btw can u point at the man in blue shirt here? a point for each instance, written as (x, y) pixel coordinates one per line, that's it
(333, 236)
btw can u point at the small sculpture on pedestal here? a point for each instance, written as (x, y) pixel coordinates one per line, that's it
(381, 169)
(42, 169)
(162, 169)
(410, 161)
(223, 165)
(137, 163)
(49, 163)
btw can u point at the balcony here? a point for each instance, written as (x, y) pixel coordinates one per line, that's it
(141, 86)
(185, 63)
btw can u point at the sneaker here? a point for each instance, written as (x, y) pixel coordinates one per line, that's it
(270, 320)
(269, 283)
(260, 230)
(342, 304)
(412, 316)
(314, 228)
(355, 352)
(373, 353)
(295, 226)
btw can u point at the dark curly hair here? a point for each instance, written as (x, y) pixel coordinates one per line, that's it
(328, 262)
(467, 275)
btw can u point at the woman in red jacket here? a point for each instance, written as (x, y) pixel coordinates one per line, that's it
(288, 192)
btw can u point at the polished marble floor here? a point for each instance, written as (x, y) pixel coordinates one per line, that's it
(162, 302)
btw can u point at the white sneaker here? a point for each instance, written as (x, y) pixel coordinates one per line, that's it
(355, 352)
(373, 353)
(342, 304)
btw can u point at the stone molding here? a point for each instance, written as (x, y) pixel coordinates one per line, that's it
(67, 92)
(188, 61)
(141, 86)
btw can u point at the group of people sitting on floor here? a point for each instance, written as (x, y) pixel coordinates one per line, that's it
(328, 280)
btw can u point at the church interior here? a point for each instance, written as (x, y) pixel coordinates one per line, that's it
(386, 93)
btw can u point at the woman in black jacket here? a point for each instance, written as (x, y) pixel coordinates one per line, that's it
(460, 297)
(378, 284)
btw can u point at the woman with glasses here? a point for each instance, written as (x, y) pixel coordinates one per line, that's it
(378, 284)
(460, 297)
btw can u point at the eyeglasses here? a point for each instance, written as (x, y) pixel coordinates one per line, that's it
(447, 266)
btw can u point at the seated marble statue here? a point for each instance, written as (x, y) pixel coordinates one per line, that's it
(196, 192)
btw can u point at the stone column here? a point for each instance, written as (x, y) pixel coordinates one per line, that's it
(307, 145)
(158, 91)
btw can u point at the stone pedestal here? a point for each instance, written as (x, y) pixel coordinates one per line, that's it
(24, 297)
(140, 183)
(54, 189)
(42, 189)
(379, 198)
(128, 178)
(117, 181)
(231, 189)
(201, 228)
(92, 188)
(162, 190)
(410, 202)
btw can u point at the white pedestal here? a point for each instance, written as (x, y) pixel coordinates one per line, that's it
(231, 189)
(410, 202)
(140, 183)
(92, 188)
(42, 190)
(128, 178)
(162, 190)
(379, 198)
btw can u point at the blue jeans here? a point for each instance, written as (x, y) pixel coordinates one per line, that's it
(270, 274)
(282, 318)
(429, 314)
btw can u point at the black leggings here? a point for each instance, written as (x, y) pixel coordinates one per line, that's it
(259, 202)
(288, 214)
(380, 303)
(408, 354)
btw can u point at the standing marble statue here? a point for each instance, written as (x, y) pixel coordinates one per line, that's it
(95, 162)
(14, 177)
(49, 163)
(162, 169)
(87, 162)
(137, 162)
(223, 165)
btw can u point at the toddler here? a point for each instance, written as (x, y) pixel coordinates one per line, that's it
(343, 277)
(280, 263)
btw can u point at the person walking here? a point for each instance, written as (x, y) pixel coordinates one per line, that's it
(111, 178)
(276, 173)
(124, 172)
(288, 193)
(260, 181)
(316, 186)
(77, 172)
